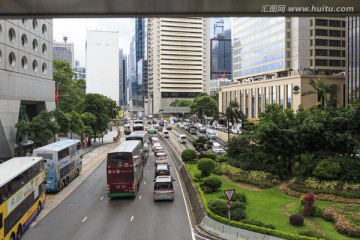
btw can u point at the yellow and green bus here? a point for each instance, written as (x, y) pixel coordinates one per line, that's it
(22, 194)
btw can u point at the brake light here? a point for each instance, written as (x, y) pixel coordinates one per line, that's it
(133, 186)
(172, 194)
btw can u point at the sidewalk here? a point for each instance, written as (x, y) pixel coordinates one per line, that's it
(107, 139)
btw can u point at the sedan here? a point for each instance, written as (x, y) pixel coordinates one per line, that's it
(162, 169)
(169, 127)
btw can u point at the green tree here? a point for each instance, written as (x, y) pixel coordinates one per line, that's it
(206, 166)
(102, 107)
(232, 115)
(202, 143)
(62, 120)
(203, 105)
(43, 127)
(277, 136)
(70, 94)
(76, 123)
(181, 103)
(328, 93)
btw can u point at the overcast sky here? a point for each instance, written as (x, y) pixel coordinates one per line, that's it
(75, 29)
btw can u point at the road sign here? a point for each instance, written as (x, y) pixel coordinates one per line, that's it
(229, 193)
(228, 206)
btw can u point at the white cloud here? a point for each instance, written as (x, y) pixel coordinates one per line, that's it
(75, 29)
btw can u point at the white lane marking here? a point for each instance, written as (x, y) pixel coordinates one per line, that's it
(139, 197)
(84, 219)
(147, 171)
(102, 198)
(144, 182)
(131, 218)
(198, 236)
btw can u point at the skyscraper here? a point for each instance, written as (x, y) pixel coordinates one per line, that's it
(178, 59)
(64, 51)
(102, 63)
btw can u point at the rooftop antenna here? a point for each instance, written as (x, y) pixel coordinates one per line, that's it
(65, 39)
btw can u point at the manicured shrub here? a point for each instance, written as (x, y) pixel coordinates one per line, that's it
(258, 223)
(188, 155)
(313, 234)
(206, 165)
(212, 182)
(208, 154)
(328, 169)
(218, 206)
(296, 220)
(221, 159)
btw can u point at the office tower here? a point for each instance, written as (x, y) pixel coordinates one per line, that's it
(79, 71)
(26, 73)
(178, 59)
(274, 59)
(102, 63)
(64, 51)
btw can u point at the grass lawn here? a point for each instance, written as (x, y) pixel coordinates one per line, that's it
(271, 206)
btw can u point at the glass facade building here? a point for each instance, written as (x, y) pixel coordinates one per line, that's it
(221, 58)
(353, 75)
(259, 45)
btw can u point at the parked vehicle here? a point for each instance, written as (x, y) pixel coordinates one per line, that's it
(163, 188)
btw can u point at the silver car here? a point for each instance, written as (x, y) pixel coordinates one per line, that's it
(163, 188)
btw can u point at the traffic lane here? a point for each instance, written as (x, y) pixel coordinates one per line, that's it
(88, 214)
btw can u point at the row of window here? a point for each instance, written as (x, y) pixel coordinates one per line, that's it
(326, 32)
(261, 36)
(24, 63)
(260, 69)
(325, 52)
(261, 60)
(327, 22)
(326, 42)
(265, 96)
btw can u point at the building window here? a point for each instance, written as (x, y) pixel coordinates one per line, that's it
(44, 29)
(321, 52)
(35, 66)
(288, 95)
(321, 42)
(35, 24)
(44, 68)
(44, 49)
(321, 32)
(24, 63)
(321, 22)
(335, 53)
(12, 35)
(266, 96)
(35, 45)
(12, 59)
(247, 103)
(24, 21)
(0, 56)
(335, 33)
(0, 30)
(252, 103)
(334, 43)
(273, 94)
(334, 23)
(259, 99)
(336, 63)
(281, 96)
(241, 100)
(24, 40)
(321, 62)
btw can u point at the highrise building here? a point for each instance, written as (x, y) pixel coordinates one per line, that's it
(274, 59)
(178, 59)
(353, 60)
(64, 51)
(79, 71)
(26, 77)
(102, 63)
(122, 84)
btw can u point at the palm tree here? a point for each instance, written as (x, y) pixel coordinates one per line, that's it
(322, 89)
(232, 114)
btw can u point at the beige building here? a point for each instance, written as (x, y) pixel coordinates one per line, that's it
(287, 92)
(178, 60)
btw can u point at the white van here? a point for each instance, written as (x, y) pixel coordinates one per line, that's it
(182, 138)
(166, 133)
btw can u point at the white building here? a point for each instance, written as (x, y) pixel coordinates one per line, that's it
(102, 63)
(178, 60)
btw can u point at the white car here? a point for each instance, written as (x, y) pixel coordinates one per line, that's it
(182, 138)
(217, 149)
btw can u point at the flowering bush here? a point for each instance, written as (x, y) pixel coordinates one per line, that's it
(258, 178)
(346, 218)
(307, 204)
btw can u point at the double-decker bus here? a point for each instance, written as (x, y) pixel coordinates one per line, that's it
(22, 194)
(124, 169)
(63, 162)
(142, 136)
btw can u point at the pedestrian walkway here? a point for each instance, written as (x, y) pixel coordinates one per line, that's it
(106, 139)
